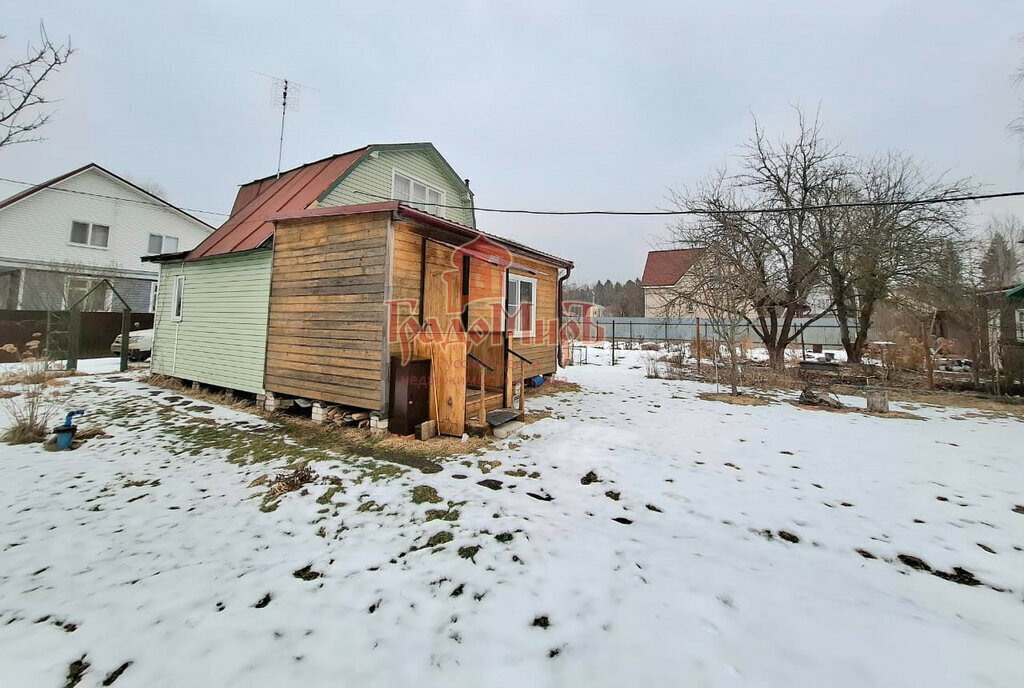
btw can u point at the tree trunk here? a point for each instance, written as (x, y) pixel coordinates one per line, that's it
(734, 372)
(856, 352)
(777, 356)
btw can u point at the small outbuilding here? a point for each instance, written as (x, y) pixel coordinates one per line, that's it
(302, 295)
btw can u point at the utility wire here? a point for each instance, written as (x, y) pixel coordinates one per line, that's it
(113, 198)
(738, 211)
(518, 211)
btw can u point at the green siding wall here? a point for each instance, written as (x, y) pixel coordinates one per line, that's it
(221, 337)
(374, 177)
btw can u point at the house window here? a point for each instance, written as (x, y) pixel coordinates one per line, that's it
(88, 234)
(159, 243)
(179, 296)
(1019, 314)
(522, 305)
(76, 288)
(153, 287)
(418, 194)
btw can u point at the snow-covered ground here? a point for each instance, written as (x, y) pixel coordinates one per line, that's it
(669, 569)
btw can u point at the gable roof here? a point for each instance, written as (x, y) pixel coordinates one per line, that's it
(295, 190)
(664, 268)
(21, 195)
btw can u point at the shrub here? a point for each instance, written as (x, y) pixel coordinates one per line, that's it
(32, 405)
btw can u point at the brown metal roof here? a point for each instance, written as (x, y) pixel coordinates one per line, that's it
(664, 268)
(293, 191)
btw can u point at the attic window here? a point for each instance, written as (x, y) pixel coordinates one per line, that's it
(158, 243)
(418, 194)
(88, 234)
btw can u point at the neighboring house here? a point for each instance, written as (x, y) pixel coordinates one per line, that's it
(314, 283)
(665, 279)
(60, 238)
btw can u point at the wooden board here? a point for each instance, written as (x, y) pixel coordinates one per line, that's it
(448, 386)
(326, 320)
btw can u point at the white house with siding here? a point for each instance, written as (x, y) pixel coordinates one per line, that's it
(62, 237)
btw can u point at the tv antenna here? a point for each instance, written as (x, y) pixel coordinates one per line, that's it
(283, 92)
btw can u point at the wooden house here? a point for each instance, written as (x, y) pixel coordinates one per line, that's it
(316, 289)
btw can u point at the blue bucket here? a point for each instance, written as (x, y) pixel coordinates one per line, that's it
(65, 433)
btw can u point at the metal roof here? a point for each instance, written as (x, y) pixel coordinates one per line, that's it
(664, 268)
(293, 191)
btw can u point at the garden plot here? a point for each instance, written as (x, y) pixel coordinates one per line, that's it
(637, 536)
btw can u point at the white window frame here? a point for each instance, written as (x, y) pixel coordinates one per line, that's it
(514, 312)
(163, 243)
(1019, 324)
(88, 239)
(93, 281)
(154, 290)
(178, 300)
(439, 210)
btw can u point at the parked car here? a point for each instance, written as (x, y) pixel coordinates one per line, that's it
(140, 345)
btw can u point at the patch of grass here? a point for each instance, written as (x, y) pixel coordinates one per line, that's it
(487, 466)
(424, 494)
(441, 537)
(76, 670)
(469, 552)
(328, 494)
(443, 514)
(24, 433)
(552, 386)
(739, 399)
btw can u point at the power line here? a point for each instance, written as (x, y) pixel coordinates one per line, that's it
(738, 211)
(522, 211)
(112, 198)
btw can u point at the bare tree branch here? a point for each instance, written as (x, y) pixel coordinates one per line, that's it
(23, 110)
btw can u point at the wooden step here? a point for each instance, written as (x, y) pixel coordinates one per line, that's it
(493, 399)
(501, 416)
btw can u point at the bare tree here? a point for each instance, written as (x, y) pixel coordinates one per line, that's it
(23, 110)
(777, 256)
(870, 252)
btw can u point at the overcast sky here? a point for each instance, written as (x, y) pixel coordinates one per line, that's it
(543, 104)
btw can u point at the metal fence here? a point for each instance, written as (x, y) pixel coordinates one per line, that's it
(824, 331)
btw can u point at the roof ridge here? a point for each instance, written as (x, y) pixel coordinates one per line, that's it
(21, 195)
(307, 164)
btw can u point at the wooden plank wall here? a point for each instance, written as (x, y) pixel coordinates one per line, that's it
(407, 274)
(542, 349)
(326, 328)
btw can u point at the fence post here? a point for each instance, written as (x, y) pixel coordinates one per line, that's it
(74, 334)
(928, 356)
(630, 330)
(698, 345)
(126, 321)
(613, 342)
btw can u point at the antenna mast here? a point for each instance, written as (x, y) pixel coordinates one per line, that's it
(284, 109)
(284, 93)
